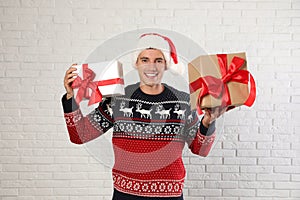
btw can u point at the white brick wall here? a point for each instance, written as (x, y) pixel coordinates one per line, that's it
(257, 156)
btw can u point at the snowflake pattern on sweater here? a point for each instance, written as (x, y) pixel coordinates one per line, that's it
(149, 134)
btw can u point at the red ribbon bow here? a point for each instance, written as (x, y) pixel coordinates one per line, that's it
(87, 83)
(218, 87)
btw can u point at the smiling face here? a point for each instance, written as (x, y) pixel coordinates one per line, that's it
(151, 65)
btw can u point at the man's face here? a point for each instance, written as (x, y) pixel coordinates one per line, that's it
(151, 65)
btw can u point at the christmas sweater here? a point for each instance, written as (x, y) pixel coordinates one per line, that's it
(149, 134)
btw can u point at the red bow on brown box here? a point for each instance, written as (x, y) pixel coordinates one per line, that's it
(214, 82)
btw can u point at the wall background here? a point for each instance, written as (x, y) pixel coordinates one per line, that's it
(257, 156)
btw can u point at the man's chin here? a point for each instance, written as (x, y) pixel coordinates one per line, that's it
(151, 83)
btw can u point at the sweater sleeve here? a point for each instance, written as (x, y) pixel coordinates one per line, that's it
(199, 138)
(81, 128)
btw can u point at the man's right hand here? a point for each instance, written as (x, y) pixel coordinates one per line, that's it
(70, 76)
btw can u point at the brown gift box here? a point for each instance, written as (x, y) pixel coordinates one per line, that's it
(208, 65)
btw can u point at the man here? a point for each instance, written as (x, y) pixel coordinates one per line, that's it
(151, 124)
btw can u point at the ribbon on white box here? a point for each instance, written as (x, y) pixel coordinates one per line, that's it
(97, 80)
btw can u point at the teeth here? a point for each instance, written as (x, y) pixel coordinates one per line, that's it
(152, 75)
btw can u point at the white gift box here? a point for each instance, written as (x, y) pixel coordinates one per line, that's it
(107, 75)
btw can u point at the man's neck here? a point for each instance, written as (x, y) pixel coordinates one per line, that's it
(152, 89)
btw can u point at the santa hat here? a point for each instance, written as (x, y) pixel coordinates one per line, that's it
(163, 43)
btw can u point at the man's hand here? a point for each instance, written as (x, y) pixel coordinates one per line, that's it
(211, 114)
(69, 78)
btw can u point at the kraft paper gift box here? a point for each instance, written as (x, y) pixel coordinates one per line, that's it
(220, 80)
(97, 80)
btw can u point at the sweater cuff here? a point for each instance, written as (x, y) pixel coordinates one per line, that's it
(69, 105)
(207, 131)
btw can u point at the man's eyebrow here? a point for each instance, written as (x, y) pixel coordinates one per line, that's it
(144, 58)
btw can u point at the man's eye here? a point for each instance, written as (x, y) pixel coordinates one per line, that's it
(144, 60)
(159, 61)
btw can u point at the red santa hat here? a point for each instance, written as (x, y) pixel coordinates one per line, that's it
(163, 43)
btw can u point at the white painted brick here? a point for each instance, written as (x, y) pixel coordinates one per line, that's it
(287, 13)
(19, 168)
(272, 177)
(36, 191)
(274, 161)
(222, 168)
(272, 145)
(255, 137)
(209, 160)
(274, 5)
(34, 175)
(287, 170)
(239, 145)
(295, 193)
(228, 13)
(253, 153)
(272, 193)
(239, 192)
(9, 175)
(10, 3)
(256, 13)
(295, 21)
(238, 176)
(37, 3)
(239, 161)
(240, 5)
(159, 12)
(204, 176)
(256, 169)
(8, 191)
(285, 185)
(221, 184)
(205, 192)
(165, 4)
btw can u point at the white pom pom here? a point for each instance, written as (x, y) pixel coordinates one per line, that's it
(177, 69)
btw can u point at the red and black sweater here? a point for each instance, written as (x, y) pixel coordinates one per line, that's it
(149, 134)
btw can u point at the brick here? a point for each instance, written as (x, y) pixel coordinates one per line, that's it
(273, 177)
(272, 193)
(255, 137)
(256, 169)
(165, 4)
(239, 192)
(240, 5)
(34, 175)
(38, 3)
(10, 3)
(287, 170)
(253, 153)
(240, 161)
(256, 13)
(157, 12)
(274, 5)
(203, 176)
(8, 191)
(205, 192)
(274, 161)
(221, 184)
(287, 185)
(239, 145)
(238, 177)
(222, 168)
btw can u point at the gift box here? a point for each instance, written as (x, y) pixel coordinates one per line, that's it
(97, 80)
(220, 80)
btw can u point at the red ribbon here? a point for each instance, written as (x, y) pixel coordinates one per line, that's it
(86, 82)
(218, 88)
